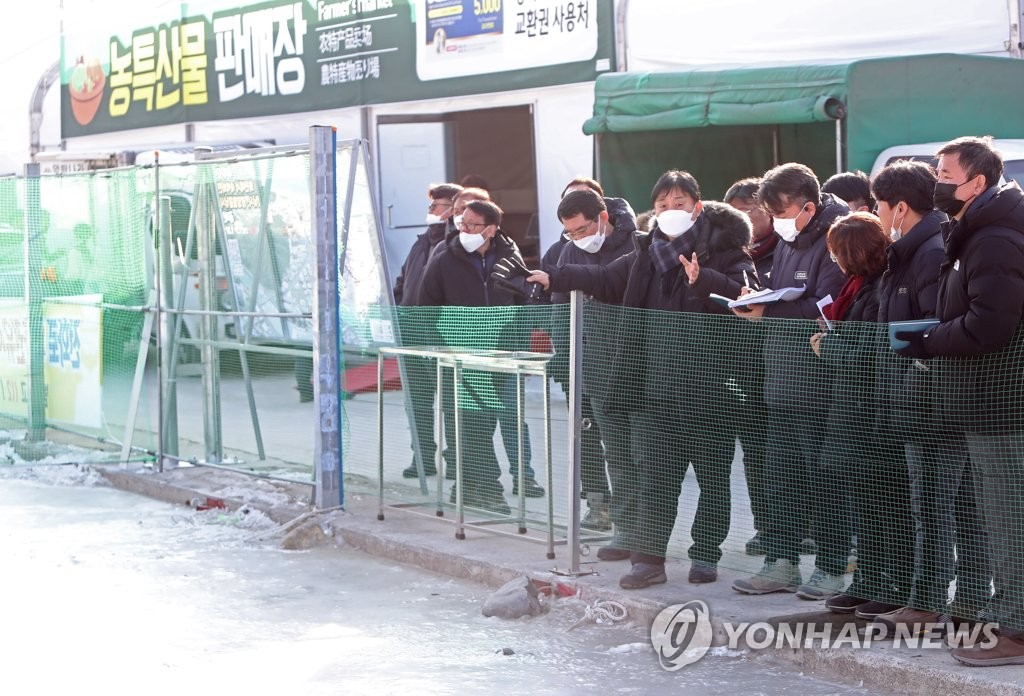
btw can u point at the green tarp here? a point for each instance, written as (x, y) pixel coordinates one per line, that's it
(629, 102)
(722, 124)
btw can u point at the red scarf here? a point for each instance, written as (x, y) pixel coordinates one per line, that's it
(764, 246)
(841, 305)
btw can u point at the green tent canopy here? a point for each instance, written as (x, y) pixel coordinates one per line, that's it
(723, 124)
(625, 102)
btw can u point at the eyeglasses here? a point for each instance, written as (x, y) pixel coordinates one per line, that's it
(474, 225)
(579, 232)
(438, 204)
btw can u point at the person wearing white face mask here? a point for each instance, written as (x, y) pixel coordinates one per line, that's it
(599, 245)
(508, 418)
(593, 238)
(796, 387)
(620, 215)
(460, 275)
(906, 291)
(440, 209)
(419, 373)
(944, 512)
(663, 381)
(453, 223)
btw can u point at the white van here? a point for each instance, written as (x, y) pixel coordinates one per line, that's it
(1011, 150)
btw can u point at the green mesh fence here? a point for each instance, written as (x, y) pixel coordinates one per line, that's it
(83, 259)
(181, 295)
(240, 251)
(711, 438)
(73, 291)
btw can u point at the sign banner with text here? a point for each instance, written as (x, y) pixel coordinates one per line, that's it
(72, 342)
(73, 345)
(220, 61)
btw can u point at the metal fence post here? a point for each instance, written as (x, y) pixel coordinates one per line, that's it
(165, 324)
(34, 245)
(323, 167)
(575, 426)
(206, 245)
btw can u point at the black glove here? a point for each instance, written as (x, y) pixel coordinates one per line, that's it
(533, 293)
(510, 267)
(915, 345)
(510, 274)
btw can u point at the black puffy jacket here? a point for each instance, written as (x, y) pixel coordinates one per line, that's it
(599, 323)
(408, 283)
(979, 386)
(455, 277)
(908, 290)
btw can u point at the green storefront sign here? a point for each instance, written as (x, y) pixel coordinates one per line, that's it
(291, 56)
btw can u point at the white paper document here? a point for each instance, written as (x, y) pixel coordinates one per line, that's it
(767, 296)
(822, 304)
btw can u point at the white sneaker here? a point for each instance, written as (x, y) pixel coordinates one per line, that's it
(781, 576)
(821, 586)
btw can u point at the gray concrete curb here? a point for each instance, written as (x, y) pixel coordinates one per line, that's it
(493, 561)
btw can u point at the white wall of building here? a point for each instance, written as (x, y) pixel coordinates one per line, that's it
(675, 35)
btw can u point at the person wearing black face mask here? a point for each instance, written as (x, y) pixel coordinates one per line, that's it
(945, 196)
(976, 351)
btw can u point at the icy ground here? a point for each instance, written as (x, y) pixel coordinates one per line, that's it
(107, 592)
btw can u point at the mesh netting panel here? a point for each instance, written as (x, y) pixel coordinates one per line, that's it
(239, 245)
(712, 438)
(74, 291)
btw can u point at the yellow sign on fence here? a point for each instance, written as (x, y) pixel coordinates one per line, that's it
(72, 354)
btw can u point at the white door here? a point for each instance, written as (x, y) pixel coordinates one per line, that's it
(412, 157)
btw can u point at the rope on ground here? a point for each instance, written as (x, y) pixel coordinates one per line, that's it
(602, 611)
(281, 528)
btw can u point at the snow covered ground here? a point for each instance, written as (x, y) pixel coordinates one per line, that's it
(107, 592)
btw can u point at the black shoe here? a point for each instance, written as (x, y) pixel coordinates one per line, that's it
(531, 489)
(612, 553)
(701, 572)
(490, 500)
(844, 603)
(755, 547)
(871, 610)
(643, 575)
(410, 471)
